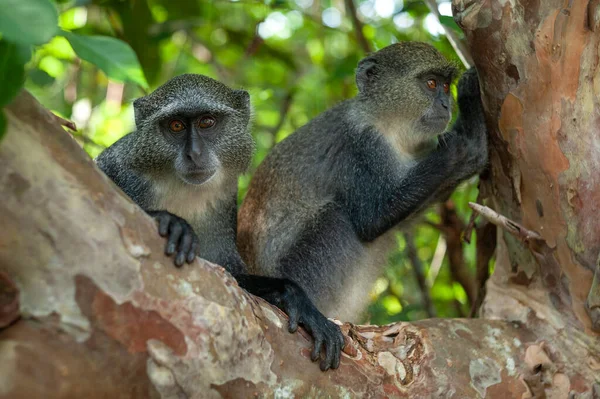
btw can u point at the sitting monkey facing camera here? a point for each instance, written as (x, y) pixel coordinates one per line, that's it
(181, 165)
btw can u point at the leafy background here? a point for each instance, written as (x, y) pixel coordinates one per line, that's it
(87, 60)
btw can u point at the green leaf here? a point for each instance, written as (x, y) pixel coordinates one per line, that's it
(28, 21)
(40, 78)
(449, 22)
(12, 69)
(2, 124)
(111, 55)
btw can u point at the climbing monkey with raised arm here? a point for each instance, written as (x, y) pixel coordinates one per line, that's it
(323, 206)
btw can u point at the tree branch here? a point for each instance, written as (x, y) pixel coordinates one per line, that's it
(358, 27)
(499, 220)
(99, 301)
(486, 247)
(283, 111)
(458, 45)
(452, 228)
(417, 265)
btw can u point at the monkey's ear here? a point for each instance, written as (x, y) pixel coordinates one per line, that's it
(242, 98)
(140, 110)
(366, 72)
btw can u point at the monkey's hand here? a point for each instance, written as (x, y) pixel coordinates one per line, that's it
(468, 89)
(327, 335)
(181, 238)
(470, 125)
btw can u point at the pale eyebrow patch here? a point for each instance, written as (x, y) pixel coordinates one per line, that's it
(190, 110)
(448, 72)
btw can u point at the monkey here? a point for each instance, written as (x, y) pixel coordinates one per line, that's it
(324, 206)
(181, 166)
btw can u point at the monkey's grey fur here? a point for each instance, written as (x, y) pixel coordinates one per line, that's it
(323, 206)
(187, 179)
(149, 164)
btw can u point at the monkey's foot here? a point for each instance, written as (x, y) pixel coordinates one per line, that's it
(327, 334)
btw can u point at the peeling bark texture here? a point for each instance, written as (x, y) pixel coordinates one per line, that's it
(538, 62)
(90, 307)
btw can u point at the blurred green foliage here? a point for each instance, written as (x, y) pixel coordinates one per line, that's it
(295, 57)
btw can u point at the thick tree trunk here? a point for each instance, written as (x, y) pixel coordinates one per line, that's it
(541, 82)
(89, 306)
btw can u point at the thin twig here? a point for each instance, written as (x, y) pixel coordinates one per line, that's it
(513, 228)
(255, 43)
(417, 265)
(438, 258)
(453, 228)
(461, 49)
(64, 122)
(283, 111)
(466, 237)
(358, 27)
(486, 247)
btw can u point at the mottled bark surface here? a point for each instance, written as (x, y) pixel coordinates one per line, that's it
(541, 82)
(89, 306)
(538, 62)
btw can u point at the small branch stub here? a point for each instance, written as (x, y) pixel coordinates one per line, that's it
(513, 228)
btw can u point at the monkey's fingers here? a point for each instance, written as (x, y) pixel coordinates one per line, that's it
(333, 346)
(193, 251)
(163, 224)
(185, 244)
(294, 319)
(179, 259)
(337, 354)
(175, 230)
(330, 350)
(337, 349)
(314, 356)
(341, 339)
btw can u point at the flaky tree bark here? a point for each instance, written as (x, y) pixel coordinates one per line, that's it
(89, 306)
(538, 61)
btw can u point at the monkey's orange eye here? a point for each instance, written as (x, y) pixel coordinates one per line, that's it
(176, 126)
(432, 84)
(446, 87)
(206, 122)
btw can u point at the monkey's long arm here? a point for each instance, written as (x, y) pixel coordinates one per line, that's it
(393, 197)
(470, 134)
(461, 153)
(470, 128)
(180, 235)
(290, 298)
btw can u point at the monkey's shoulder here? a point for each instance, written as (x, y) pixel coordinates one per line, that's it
(115, 163)
(117, 153)
(325, 137)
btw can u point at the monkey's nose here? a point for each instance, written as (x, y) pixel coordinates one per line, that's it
(194, 157)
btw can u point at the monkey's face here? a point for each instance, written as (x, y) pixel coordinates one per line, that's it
(192, 138)
(203, 142)
(198, 126)
(408, 84)
(436, 110)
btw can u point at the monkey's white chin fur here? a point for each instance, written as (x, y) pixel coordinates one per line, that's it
(188, 200)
